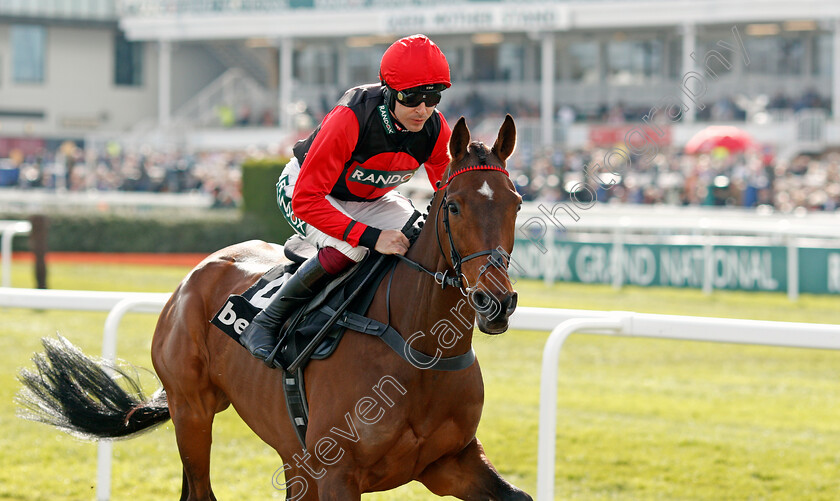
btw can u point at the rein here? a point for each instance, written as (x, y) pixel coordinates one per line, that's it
(497, 257)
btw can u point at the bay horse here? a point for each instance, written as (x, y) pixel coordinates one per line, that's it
(376, 421)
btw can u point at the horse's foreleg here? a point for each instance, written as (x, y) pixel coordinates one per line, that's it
(469, 475)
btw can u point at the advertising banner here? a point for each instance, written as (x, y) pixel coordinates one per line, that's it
(732, 267)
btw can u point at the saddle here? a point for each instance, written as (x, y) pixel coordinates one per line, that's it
(296, 334)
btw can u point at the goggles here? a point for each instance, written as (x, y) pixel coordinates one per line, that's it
(412, 98)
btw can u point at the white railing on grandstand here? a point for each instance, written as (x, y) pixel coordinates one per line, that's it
(561, 323)
(98, 10)
(8, 231)
(170, 7)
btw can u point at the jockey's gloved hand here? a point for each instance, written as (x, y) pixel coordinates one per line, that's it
(392, 242)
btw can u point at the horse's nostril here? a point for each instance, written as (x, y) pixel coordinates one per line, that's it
(482, 300)
(511, 303)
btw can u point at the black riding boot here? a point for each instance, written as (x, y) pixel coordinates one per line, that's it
(260, 337)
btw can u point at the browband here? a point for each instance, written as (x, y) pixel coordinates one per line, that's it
(467, 169)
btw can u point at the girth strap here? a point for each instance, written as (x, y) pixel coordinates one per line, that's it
(394, 340)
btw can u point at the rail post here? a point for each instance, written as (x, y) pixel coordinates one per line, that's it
(548, 394)
(9, 230)
(109, 352)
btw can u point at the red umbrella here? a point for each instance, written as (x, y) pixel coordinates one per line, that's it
(719, 136)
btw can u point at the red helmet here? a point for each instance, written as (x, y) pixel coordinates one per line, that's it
(413, 61)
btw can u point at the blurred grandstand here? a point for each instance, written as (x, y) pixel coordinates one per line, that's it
(170, 95)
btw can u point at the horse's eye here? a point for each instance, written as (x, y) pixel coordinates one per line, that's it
(453, 208)
(519, 207)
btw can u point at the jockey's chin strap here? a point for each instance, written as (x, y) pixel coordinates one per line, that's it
(497, 258)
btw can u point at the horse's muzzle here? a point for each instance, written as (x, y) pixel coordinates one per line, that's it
(493, 313)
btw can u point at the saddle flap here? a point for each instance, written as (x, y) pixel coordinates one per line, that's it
(336, 283)
(298, 250)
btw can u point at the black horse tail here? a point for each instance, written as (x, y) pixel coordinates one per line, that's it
(84, 397)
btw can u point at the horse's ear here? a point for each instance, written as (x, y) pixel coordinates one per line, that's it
(505, 142)
(460, 140)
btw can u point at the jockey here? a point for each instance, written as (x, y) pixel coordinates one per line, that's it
(337, 191)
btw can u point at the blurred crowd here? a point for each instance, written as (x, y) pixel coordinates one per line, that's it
(113, 168)
(671, 177)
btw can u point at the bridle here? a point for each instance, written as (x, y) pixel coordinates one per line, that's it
(498, 257)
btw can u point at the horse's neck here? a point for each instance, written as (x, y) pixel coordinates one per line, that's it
(442, 315)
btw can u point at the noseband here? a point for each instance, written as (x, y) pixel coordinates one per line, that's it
(498, 258)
